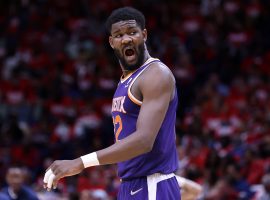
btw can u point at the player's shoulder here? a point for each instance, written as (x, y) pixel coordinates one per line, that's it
(157, 77)
(158, 71)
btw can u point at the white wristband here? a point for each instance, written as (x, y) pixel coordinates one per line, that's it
(90, 160)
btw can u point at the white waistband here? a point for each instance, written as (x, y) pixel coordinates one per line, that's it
(160, 177)
(152, 181)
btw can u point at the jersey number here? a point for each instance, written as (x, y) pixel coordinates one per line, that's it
(117, 121)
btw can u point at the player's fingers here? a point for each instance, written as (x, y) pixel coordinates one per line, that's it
(55, 183)
(50, 181)
(47, 175)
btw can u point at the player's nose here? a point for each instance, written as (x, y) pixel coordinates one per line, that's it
(126, 39)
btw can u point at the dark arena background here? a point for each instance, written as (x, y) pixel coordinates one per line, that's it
(58, 76)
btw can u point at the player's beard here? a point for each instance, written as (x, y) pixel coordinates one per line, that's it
(137, 64)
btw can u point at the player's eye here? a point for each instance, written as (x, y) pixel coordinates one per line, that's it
(118, 36)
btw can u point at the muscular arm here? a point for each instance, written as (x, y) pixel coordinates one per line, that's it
(156, 86)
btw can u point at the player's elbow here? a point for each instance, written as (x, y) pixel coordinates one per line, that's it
(145, 145)
(147, 148)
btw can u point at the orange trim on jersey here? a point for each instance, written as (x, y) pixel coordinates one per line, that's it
(133, 99)
(130, 95)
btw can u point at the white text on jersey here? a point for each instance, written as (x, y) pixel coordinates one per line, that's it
(118, 104)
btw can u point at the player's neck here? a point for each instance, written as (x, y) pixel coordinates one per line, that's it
(126, 72)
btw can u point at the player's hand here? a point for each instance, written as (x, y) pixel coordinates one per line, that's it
(60, 169)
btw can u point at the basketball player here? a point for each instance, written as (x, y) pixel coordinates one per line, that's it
(143, 111)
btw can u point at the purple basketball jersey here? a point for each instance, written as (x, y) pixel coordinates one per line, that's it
(125, 110)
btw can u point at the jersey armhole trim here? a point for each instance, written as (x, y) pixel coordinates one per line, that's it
(134, 99)
(130, 95)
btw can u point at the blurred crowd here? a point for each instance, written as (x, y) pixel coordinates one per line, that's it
(58, 75)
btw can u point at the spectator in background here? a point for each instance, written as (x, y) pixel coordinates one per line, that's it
(265, 194)
(3, 196)
(190, 190)
(16, 188)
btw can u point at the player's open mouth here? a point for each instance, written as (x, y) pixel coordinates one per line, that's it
(129, 54)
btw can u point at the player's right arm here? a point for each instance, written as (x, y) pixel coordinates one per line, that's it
(156, 86)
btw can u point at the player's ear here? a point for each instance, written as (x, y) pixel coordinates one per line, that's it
(144, 32)
(111, 42)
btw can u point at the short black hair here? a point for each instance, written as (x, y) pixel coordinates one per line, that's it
(123, 14)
